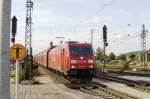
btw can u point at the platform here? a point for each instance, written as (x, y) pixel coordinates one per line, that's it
(48, 89)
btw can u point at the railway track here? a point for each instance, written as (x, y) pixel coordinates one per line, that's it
(92, 88)
(142, 86)
(105, 92)
(143, 74)
(55, 76)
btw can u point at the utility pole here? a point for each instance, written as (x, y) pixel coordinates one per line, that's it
(28, 40)
(92, 31)
(143, 55)
(5, 14)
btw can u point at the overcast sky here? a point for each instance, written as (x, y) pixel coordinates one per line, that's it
(73, 19)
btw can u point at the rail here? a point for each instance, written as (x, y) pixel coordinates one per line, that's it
(142, 86)
(105, 92)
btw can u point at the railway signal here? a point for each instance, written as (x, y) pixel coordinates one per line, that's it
(14, 29)
(105, 42)
(105, 33)
(14, 26)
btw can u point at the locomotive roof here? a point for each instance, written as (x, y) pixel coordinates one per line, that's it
(77, 43)
(65, 44)
(72, 42)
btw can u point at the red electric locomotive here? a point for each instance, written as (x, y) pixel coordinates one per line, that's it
(72, 59)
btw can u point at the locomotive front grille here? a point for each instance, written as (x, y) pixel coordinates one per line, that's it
(83, 73)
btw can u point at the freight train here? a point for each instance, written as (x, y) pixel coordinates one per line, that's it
(73, 60)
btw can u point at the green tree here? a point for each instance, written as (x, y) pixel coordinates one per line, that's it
(122, 57)
(112, 56)
(132, 56)
(99, 53)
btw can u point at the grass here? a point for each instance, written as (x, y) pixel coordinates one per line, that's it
(21, 76)
(99, 65)
(118, 66)
(108, 65)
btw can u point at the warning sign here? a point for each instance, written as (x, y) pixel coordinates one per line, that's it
(17, 52)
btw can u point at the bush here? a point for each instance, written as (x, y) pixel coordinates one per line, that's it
(21, 76)
(126, 67)
(114, 61)
(99, 65)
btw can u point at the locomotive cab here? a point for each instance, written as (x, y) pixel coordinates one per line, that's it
(82, 61)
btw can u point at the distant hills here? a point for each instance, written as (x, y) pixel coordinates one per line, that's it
(137, 54)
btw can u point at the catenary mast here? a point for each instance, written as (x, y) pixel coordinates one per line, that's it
(28, 39)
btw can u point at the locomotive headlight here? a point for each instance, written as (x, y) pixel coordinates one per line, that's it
(91, 66)
(90, 61)
(73, 66)
(73, 61)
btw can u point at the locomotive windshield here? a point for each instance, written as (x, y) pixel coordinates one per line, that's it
(80, 50)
